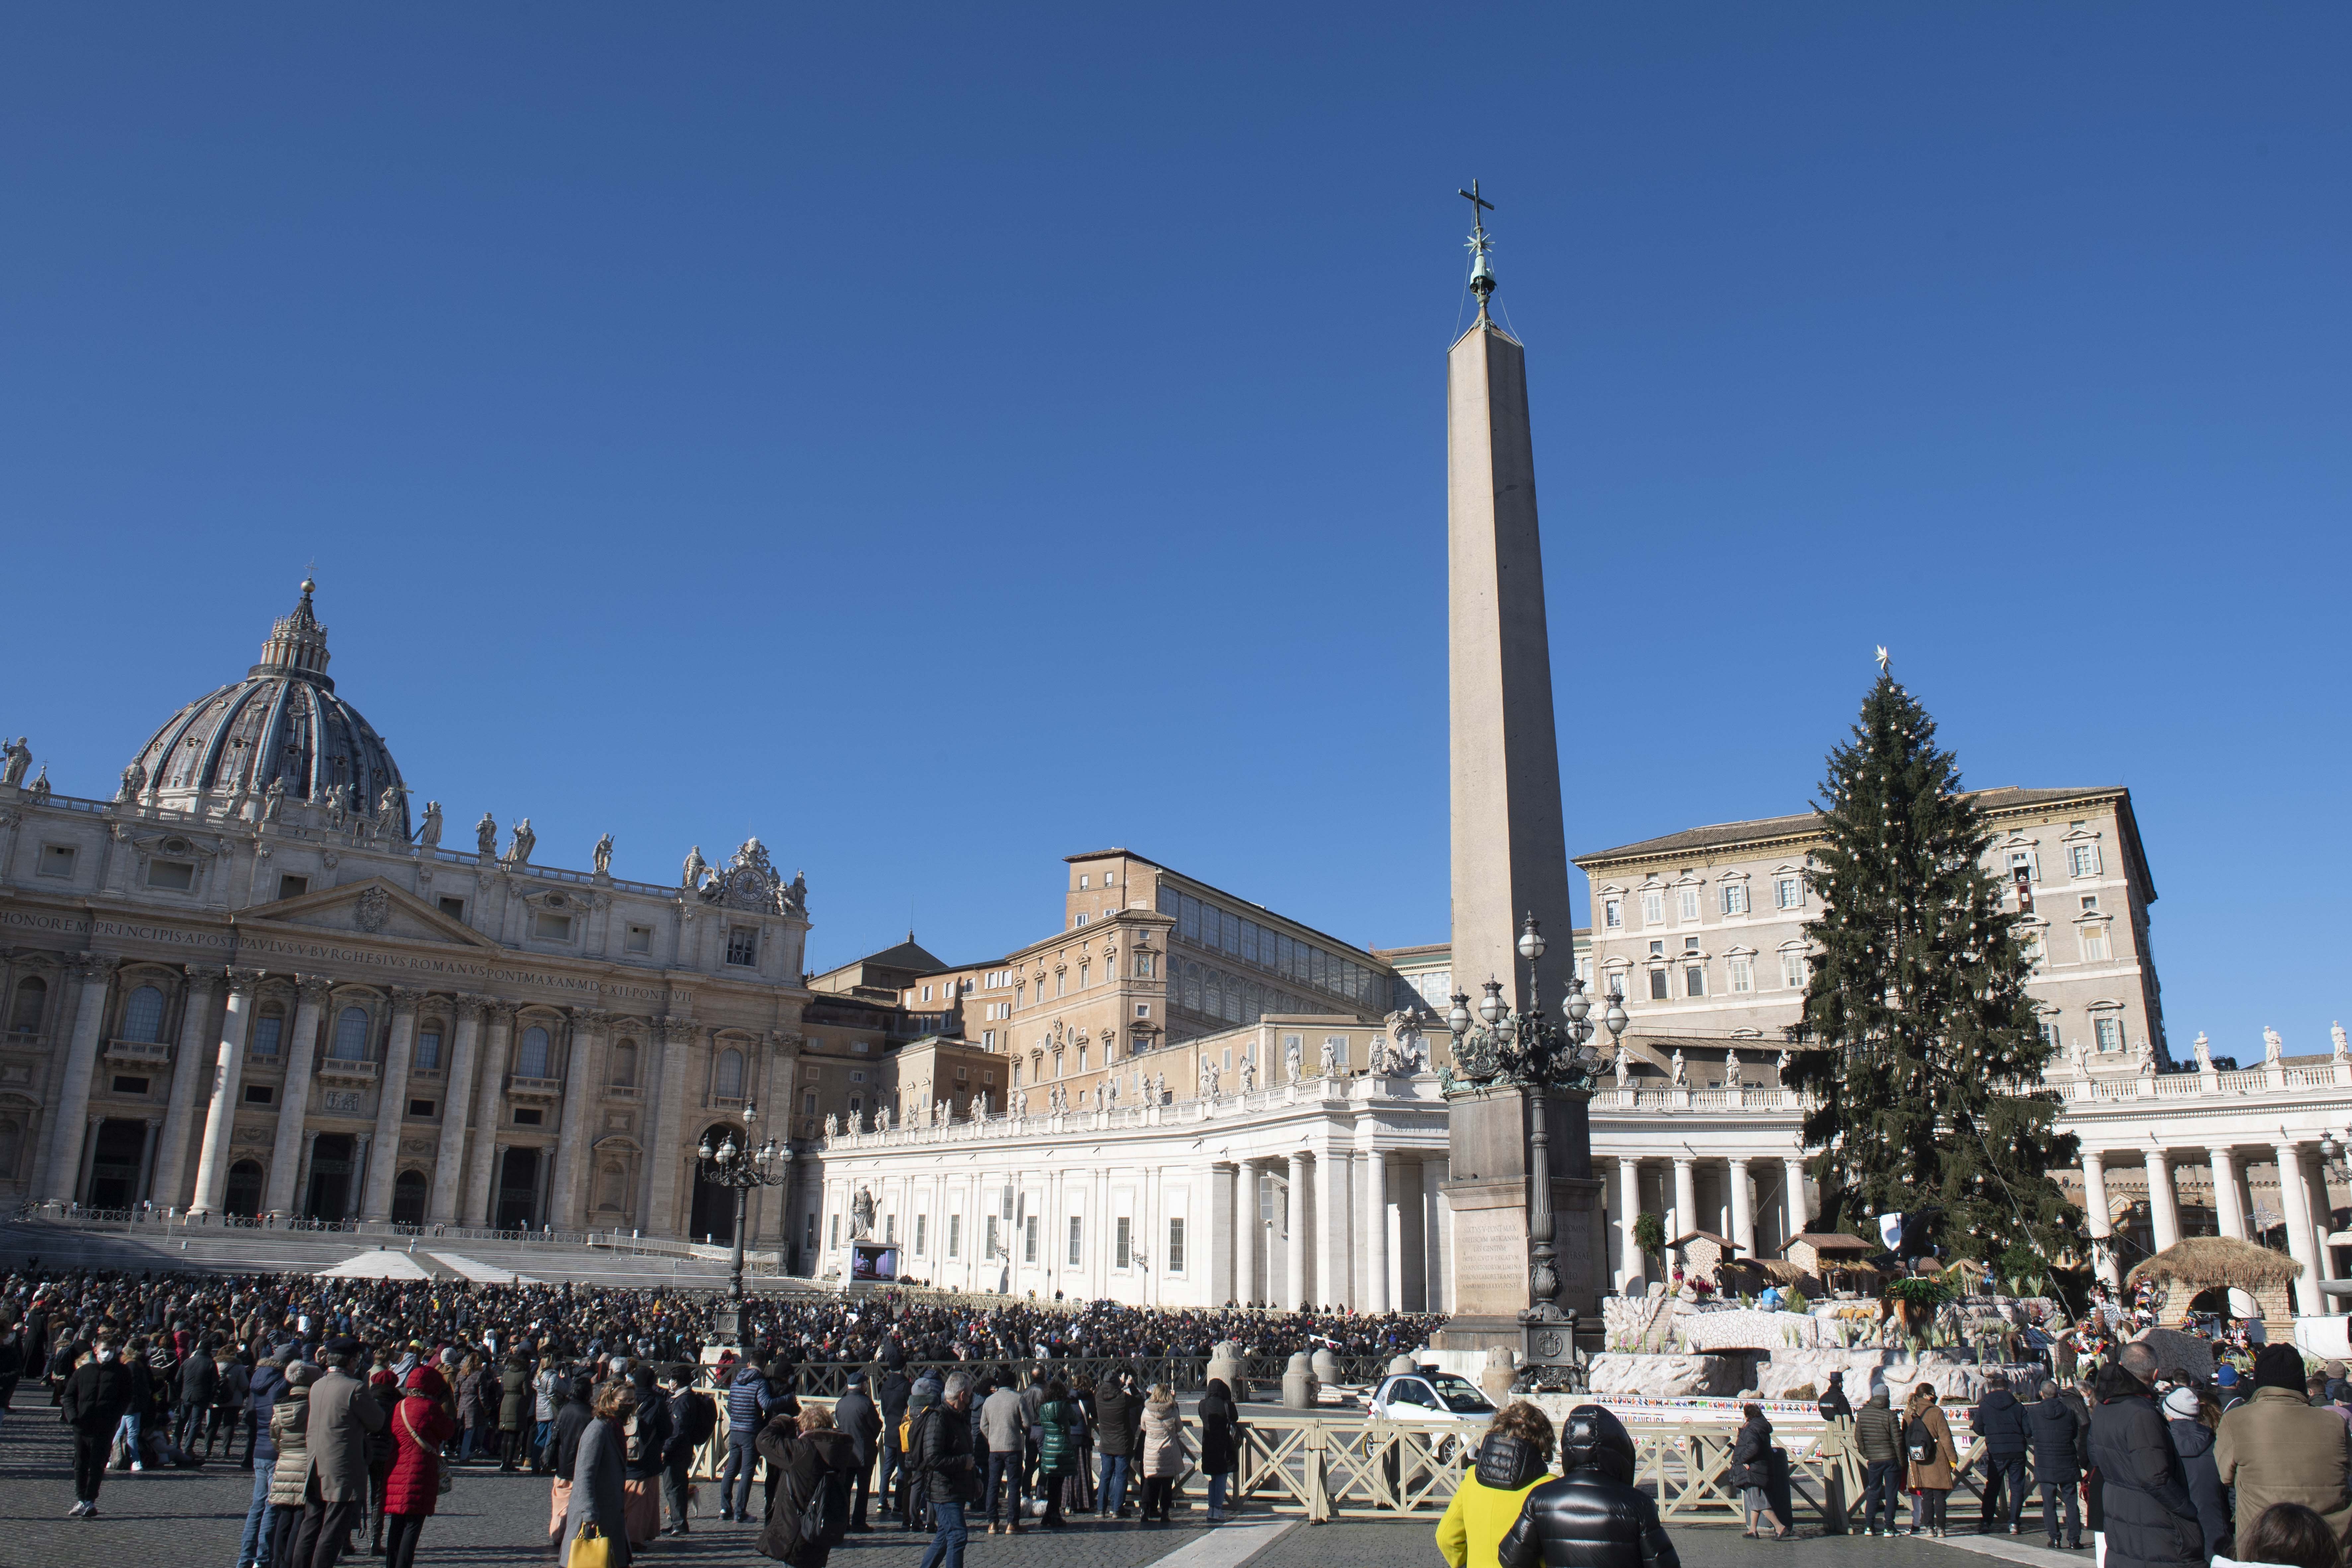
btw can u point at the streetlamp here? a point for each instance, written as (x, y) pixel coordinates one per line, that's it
(1531, 1050)
(769, 1166)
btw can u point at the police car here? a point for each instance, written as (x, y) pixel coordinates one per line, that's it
(1427, 1395)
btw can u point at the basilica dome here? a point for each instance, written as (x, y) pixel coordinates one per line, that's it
(282, 723)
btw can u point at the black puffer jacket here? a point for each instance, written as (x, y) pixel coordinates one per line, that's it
(2001, 1422)
(1591, 1516)
(2150, 1520)
(942, 1453)
(1751, 1455)
(2057, 1436)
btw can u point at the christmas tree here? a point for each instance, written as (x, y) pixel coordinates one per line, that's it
(1927, 1079)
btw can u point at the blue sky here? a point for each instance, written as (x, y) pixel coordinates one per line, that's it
(939, 439)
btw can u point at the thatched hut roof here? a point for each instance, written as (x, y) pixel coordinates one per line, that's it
(1833, 1241)
(2208, 1260)
(1779, 1270)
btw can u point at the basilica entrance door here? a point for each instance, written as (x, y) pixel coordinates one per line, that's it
(330, 1177)
(518, 1190)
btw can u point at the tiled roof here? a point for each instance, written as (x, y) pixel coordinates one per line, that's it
(1723, 834)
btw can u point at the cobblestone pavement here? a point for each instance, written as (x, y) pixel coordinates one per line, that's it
(192, 1519)
(1413, 1544)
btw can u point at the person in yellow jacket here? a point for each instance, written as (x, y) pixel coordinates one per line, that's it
(1515, 1458)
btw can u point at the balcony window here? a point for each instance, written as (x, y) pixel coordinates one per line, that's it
(530, 1061)
(173, 875)
(143, 1015)
(350, 1035)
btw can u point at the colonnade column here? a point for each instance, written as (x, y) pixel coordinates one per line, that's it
(294, 1099)
(1435, 1222)
(1294, 1285)
(302, 1178)
(2229, 1217)
(1630, 1263)
(1743, 1204)
(449, 1160)
(2163, 1202)
(2095, 1218)
(489, 1094)
(180, 1115)
(72, 1129)
(1378, 1297)
(91, 1124)
(1792, 1170)
(1247, 1232)
(1686, 1197)
(391, 1105)
(2296, 1200)
(572, 1154)
(228, 1075)
(2323, 1221)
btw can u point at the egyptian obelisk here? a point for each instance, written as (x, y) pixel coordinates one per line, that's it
(1510, 850)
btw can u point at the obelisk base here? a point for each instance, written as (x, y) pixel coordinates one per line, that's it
(1488, 1134)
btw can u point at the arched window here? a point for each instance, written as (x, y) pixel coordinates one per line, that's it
(532, 1060)
(727, 1083)
(624, 1064)
(143, 1015)
(350, 1035)
(32, 1001)
(428, 1048)
(267, 1030)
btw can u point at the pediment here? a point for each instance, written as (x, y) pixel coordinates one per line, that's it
(373, 908)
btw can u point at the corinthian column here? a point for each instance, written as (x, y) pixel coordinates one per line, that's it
(72, 1129)
(391, 1105)
(187, 1058)
(490, 1096)
(228, 1076)
(449, 1160)
(664, 1159)
(294, 1099)
(572, 1158)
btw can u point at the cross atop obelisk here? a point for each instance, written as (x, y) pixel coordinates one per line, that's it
(1482, 276)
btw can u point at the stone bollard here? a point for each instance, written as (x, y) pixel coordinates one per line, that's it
(1500, 1374)
(1300, 1390)
(1327, 1366)
(1403, 1366)
(1228, 1365)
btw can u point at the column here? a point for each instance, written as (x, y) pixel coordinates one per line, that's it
(490, 1096)
(662, 1217)
(228, 1076)
(1792, 1172)
(72, 1129)
(1743, 1205)
(302, 1044)
(187, 1059)
(1224, 1236)
(1248, 1232)
(2293, 1198)
(1631, 1269)
(2096, 1219)
(1332, 1255)
(302, 1177)
(2323, 1222)
(572, 1155)
(2228, 1216)
(91, 1124)
(356, 1183)
(391, 1105)
(1685, 1218)
(1294, 1284)
(1379, 1297)
(449, 1160)
(1435, 1266)
(1391, 1222)
(146, 1162)
(2163, 1202)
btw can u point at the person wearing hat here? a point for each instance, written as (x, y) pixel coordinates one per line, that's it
(343, 1415)
(2146, 1512)
(2228, 1387)
(268, 1385)
(2275, 1448)
(420, 1423)
(2186, 1416)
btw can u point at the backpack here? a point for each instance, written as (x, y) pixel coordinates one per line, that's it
(1919, 1443)
(701, 1417)
(826, 1519)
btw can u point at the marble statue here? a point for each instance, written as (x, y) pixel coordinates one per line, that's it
(603, 855)
(695, 867)
(1249, 1074)
(881, 1118)
(18, 760)
(1624, 1065)
(2204, 1052)
(486, 837)
(339, 804)
(1290, 1059)
(518, 849)
(832, 1125)
(1330, 1056)
(134, 779)
(428, 833)
(1216, 1083)
(2338, 1047)
(861, 1214)
(1782, 1066)
(1731, 1069)
(2272, 1047)
(943, 1113)
(1100, 1099)
(273, 800)
(387, 807)
(796, 895)
(1205, 1077)
(1680, 1078)
(39, 788)
(979, 1106)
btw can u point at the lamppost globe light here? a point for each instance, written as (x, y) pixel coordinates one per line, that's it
(703, 1148)
(1579, 1004)
(1532, 942)
(1458, 1020)
(751, 1113)
(1490, 1007)
(1615, 1016)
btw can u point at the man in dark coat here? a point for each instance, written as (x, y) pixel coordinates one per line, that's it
(678, 1457)
(2054, 1432)
(2000, 1421)
(1593, 1517)
(941, 1455)
(1118, 1416)
(859, 1419)
(2146, 1513)
(100, 1391)
(891, 1394)
(1878, 1439)
(199, 1381)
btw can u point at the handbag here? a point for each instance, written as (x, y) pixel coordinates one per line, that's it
(444, 1479)
(590, 1549)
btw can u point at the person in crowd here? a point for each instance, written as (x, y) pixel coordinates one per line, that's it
(1931, 1463)
(1751, 1472)
(342, 1414)
(1161, 1447)
(1221, 1448)
(693, 1418)
(1119, 1417)
(2277, 1448)
(469, 1407)
(232, 1387)
(2055, 1435)
(12, 1359)
(1592, 1516)
(647, 1462)
(748, 1398)
(2228, 1387)
(1878, 1443)
(2146, 1514)
(420, 1425)
(1999, 1423)
(942, 1454)
(859, 1416)
(929, 1391)
(1006, 1440)
(571, 1418)
(2293, 1536)
(781, 1402)
(1078, 1492)
(289, 1473)
(2190, 1423)
(544, 1402)
(890, 1394)
(812, 1456)
(595, 1500)
(1834, 1405)
(199, 1383)
(262, 1393)
(1514, 1459)
(97, 1395)
(1058, 1448)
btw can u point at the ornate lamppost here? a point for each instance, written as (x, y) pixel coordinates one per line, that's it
(769, 1166)
(1532, 1051)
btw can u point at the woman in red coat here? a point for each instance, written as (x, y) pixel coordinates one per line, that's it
(420, 1423)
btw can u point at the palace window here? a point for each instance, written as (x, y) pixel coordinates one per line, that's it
(1789, 892)
(2108, 1032)
(550, 927)
(258, 1094)
(1686, 903)
(743, 949)
(2083, 859)
(1175, 1246)
(1061, 982)
(624, 1064)
(1694, 979)
(1743, 974)
(988, 1039)
(267, 1030)
(1792, 971)
(2095, 942)
(922, 1232)
(1122, 1247)
(1612, 913)
(1658, 985)
(808, 1103)
(2029, 861)
(1143, 1009)
(1653, 908)
(530, 1061)
(32, 1001)
(955, 1236)
(639, 939)
(1733, 898)
(422, 1108)
(1085, 975)
(1075, 1253)
(2050, 1033)
(429, 1051)
(1029, 1238)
